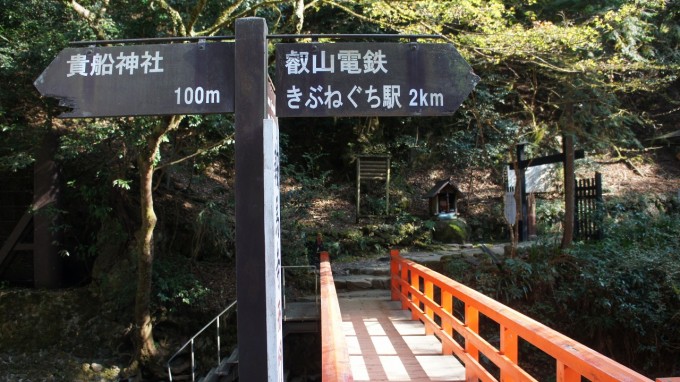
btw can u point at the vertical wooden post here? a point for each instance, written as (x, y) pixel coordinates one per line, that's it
(415, 298)
(447, 305)
(394, 274)
(566, 374)
(387, 190)
(472, 322)
(531, 218)
(256, 361)
(521, 172)
(47, 265)
(509, 348)
(429, 293)
(599, 206)
(358, 212)
(569, 176)
(404, 277)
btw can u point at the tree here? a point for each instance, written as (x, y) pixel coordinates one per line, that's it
(201, 19)
(560, 72)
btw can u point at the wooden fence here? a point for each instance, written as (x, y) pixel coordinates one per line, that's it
(589, 210)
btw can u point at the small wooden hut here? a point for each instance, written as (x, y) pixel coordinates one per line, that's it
(443, 197)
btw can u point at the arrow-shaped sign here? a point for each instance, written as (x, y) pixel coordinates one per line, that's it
(371, 79)
(142, 80)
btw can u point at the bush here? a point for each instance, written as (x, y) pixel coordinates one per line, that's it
(620, 296)
(626, 295)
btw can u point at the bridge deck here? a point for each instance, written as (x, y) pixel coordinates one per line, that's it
(386, 345)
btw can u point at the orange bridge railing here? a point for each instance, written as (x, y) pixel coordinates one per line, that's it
(432, 297)
(335, 365)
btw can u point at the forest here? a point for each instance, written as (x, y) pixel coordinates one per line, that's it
(145, 222)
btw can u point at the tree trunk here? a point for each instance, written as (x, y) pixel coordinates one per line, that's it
(299, 15)
(569, 177)
(144, 343)
(145, 348)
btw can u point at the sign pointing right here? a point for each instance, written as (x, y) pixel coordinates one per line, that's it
(371, 79)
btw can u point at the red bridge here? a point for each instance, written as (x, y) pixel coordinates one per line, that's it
(428, 329)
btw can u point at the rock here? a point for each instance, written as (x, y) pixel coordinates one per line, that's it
(358, 283)
(380, 282)
(450, 231)
(85, 367)
(97, 368)
(115, 371)
(371, 270)
(340, 282)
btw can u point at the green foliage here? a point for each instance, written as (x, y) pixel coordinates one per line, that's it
(550, 214)
(174, 286)
(620, 295)
(213, 232)
(630, 282)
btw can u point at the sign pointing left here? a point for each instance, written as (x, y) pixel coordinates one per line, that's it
(142, 80)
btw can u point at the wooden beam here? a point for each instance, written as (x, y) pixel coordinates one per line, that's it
(12, 241)
(548, 159)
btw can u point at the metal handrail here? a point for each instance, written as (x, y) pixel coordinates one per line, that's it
(313, 36)
(316, 281)
(191, 342)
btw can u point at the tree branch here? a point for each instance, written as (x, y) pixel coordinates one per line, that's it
(228, 16)
(175, 16)
(196, 153)
(195, 14)
(223, 19)
(299, 15)
(89, 16)
(381, 23)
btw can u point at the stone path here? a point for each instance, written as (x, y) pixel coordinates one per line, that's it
(369, 274)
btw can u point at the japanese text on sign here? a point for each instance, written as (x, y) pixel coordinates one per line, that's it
(385, 96)
(105, 64)
(370, 79)
(350, 61)
(159, 79)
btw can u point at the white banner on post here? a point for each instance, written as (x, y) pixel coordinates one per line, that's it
(510, 210)
(272, 226)
(538, 178)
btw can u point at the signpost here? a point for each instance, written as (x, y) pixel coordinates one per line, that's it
(313, 80)
(371, 79)
(136, 80)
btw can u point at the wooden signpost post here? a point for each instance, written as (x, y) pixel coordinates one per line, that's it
(523, 164)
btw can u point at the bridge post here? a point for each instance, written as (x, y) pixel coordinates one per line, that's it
(415, 284)
(429, 293)
(472, 322)
(509, 348)
(394, 273)
(566, 374)
(447, 306)
(404, 277)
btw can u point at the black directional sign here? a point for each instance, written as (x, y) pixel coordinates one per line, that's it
(142, 80)
(370, 79)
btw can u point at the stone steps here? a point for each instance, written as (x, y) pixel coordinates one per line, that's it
(360, 278)
(361, 282)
